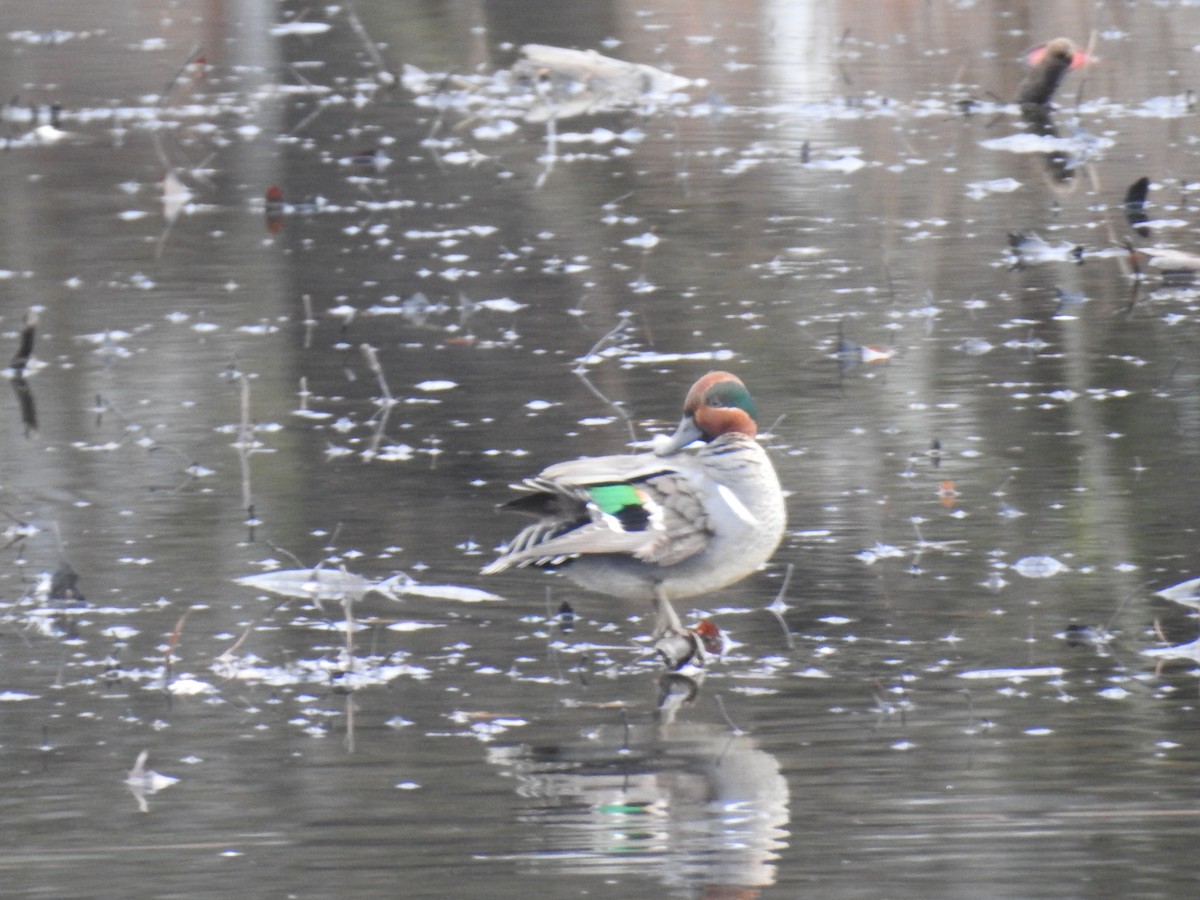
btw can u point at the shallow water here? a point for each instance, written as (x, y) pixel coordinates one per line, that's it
(983, 505)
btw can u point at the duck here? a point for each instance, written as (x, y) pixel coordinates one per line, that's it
(664, 525)
(1049, 63)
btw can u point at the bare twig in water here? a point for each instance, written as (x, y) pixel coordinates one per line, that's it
(724, 715)
(1159, 631)
(383, 74)
(611, 337)
(290, 555)
(176, 634)
(307, 120)
(1124, 600)
(318, 107)
(779, 604)
(348, 606)
(169, 655)
(386, 402)
(551, 150)
(197, 51)
(608, 338)
(227, 656)
(620, 410)
(309, 321)
(245, 436)
(373, 364)
(351, 708)
(304, 393)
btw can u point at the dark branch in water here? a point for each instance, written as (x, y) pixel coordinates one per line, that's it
(25, 348)
(26, 402)
(163, 98)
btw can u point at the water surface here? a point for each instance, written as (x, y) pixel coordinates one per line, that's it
(983, 505)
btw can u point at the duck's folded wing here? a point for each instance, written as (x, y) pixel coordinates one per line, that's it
(623, 505)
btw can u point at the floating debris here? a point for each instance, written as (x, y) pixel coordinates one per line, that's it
(143, 782)
(299, 27)
(1030, 248)
(547, 84)
(1185, 592)
(338, 584)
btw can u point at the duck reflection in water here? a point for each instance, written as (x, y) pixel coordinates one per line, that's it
(707, 809)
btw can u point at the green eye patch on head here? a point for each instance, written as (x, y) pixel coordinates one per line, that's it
(731, 394)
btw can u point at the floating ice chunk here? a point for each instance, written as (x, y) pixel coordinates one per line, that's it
(812, 672)
(435, 385)
(395, 453)
(414, 626)
(1168, 107)
(977, 190)
(1013, 674)
(301, 28)
(105, 337)
(843, 164)
(975, 346)
(1038, 566)
(645, 241)
(187, 686)
(879, 551)
(493, 131)
(502, 304)
(597, 136)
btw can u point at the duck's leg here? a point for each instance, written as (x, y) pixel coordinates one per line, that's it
(666, 621)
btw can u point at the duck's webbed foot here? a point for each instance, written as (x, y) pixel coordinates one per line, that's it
(680, 647)
(679, 650)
